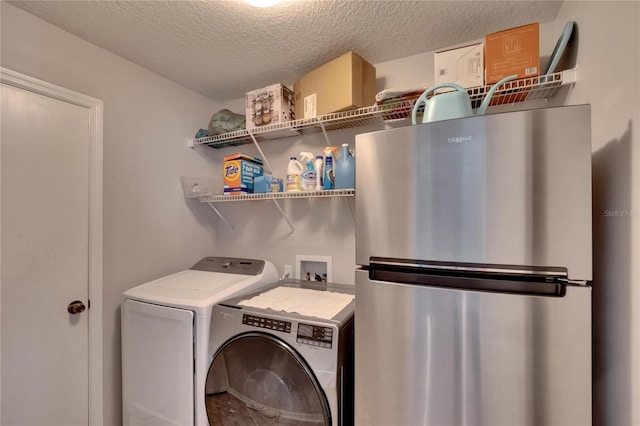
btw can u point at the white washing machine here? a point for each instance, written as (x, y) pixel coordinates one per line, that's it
(165, 337)
(283, 355)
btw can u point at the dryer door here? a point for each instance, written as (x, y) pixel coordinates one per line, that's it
(256, 378)
(157, 365)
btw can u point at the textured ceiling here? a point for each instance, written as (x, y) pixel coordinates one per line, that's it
(223, 49)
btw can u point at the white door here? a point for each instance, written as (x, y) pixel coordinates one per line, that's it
(46, 259)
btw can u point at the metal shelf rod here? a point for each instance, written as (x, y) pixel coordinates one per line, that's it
(284, 216)
(221, 217)
(264, 157)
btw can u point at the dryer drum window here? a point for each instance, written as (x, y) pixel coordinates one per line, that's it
(258, 379)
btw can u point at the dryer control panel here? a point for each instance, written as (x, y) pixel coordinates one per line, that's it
(314, 335)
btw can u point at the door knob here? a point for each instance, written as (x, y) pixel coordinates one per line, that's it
(76, 307)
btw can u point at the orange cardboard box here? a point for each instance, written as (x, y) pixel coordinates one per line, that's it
(239, 172)
(513, 51)
(508, 52)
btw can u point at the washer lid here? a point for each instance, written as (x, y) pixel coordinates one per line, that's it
(192, 289)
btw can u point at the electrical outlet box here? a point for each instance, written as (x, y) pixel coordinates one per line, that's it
(314, 268)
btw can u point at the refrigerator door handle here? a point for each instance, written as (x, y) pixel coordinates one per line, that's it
(470, 268)
(513, 285)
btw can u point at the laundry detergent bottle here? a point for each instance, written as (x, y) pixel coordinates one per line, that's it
(294, 171)
(345, 169)
(327, 167)
(308, 176)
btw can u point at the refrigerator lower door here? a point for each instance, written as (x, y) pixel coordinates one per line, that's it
(439, 356)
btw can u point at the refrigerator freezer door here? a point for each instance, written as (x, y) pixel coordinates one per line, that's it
(434, 356)
(508, 189)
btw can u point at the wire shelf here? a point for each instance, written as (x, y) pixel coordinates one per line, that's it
(279, 195)
(521, 90)
(377, 114)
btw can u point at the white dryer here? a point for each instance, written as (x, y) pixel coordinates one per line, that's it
(283, 356)
(165, 337)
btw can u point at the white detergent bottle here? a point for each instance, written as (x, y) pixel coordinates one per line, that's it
(319, 172)
(308, 176)
(294, 170)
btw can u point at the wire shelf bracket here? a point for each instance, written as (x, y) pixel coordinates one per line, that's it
(213, 207)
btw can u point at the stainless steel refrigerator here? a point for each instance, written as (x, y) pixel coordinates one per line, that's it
(473, 297)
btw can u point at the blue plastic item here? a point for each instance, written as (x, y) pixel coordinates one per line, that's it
(328, 173)
(267, 183)
(262, 184)
(558, 50)
(450, 105)
(345, 170)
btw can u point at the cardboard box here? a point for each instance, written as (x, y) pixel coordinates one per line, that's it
(239, 172)
(513, 51)
(345, 83)
(462, 65)
(269, 105)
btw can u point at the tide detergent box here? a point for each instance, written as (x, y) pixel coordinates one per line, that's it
(239, 172)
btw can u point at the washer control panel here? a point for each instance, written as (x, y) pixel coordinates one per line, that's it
(230, 265)
(268, 323)
(314, 335)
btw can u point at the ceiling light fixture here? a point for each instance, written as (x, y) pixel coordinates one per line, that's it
(262, 3)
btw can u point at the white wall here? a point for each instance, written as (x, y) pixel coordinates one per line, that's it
(149, 230)
(608, 59)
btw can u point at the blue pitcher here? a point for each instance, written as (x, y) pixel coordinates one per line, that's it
(449, 105)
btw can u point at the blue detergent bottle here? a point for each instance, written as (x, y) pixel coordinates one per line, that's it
(328, 179)
(345, 170)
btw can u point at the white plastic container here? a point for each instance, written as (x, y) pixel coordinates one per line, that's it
(294, 170)
(308, 176)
